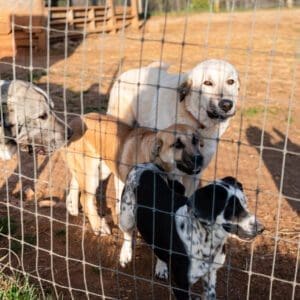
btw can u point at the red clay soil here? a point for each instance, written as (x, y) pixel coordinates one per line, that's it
(60, 253)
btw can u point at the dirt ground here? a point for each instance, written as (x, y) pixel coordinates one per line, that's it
(261, 148)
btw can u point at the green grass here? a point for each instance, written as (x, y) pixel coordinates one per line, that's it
(5, 224)
(254, 111)
(13, 288)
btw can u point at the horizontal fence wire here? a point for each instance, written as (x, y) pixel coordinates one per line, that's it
(59, 253)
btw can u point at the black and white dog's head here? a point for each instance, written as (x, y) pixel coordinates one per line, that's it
(27, 119)
(224, 203)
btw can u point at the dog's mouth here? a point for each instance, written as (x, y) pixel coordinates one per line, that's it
(215, 115)
(188, 169)
(240, 233)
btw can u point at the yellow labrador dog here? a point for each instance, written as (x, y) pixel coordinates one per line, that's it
(101, 145)
(204, 98)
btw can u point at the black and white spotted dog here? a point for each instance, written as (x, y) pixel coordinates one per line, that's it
(186, 234)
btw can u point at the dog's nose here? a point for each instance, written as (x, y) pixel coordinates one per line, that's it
(259, 228)
(69, 133)
(226, 105)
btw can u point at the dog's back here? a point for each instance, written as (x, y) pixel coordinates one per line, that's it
(156, 205)
(98, 135)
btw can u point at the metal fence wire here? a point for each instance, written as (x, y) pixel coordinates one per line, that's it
(73, 54)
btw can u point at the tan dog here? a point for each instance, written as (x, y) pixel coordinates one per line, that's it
(101, 145)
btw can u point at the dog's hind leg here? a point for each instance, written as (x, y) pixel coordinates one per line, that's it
(88, 197)
(72, 198)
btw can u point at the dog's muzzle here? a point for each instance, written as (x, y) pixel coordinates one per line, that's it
(257, 228)
(190, 164)
(221, 112)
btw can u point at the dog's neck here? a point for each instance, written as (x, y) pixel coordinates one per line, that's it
(198, 232)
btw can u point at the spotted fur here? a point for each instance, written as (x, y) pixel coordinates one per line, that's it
(188, 235)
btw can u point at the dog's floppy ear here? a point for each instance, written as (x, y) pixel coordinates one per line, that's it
(233, 181)
(184, 89)
(208, 202)
(155, 148)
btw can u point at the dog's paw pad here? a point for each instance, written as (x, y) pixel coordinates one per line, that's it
(125, 255)
(161, 271)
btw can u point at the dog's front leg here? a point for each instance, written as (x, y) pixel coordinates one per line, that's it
(72, 198)
(119, 186)
(209, 285)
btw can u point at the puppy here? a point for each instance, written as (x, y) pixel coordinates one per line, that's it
(28, 119)
(101, 145)
(194, 231)
(204, 98)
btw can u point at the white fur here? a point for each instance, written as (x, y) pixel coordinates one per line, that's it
(135, 97)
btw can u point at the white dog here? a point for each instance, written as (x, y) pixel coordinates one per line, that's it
(204, 98)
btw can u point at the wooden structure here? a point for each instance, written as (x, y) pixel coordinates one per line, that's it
(23, 25)
(91, 19)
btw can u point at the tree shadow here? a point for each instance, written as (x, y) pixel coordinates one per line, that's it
(273, 155)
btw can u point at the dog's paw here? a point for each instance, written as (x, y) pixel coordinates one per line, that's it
(71, 208)
(105, 229)
(126, 254)
(161, 270)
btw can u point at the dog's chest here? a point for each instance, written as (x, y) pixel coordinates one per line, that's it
(204, 248)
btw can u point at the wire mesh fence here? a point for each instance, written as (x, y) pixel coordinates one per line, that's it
(74, 57)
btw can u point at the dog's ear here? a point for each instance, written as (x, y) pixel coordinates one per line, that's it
(155, 148)
(233, 181)
(208, 202)
(184, 89)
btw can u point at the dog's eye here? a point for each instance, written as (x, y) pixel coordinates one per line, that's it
(195, 140)
(230, 81)
(178, 144)
(208, 83)
(43, 116)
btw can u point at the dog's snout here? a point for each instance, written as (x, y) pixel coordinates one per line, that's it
(226, 105)
(259, 227)
(69, 133)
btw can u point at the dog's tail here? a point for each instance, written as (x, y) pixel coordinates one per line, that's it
(159, 64)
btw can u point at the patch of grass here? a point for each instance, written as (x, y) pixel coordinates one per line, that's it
(36, 75)
(252, 111)
(13, 288)
(5, 224)
(100, 108)
(257, 110)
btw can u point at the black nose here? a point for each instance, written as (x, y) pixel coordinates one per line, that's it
(259, 228)
(69, 133)
(226, 105)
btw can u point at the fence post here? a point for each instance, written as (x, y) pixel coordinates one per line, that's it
(111, 14)
(289, 3)
(135, 13)
(217, 6)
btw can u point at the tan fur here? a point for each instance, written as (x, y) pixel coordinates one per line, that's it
(101, 141)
